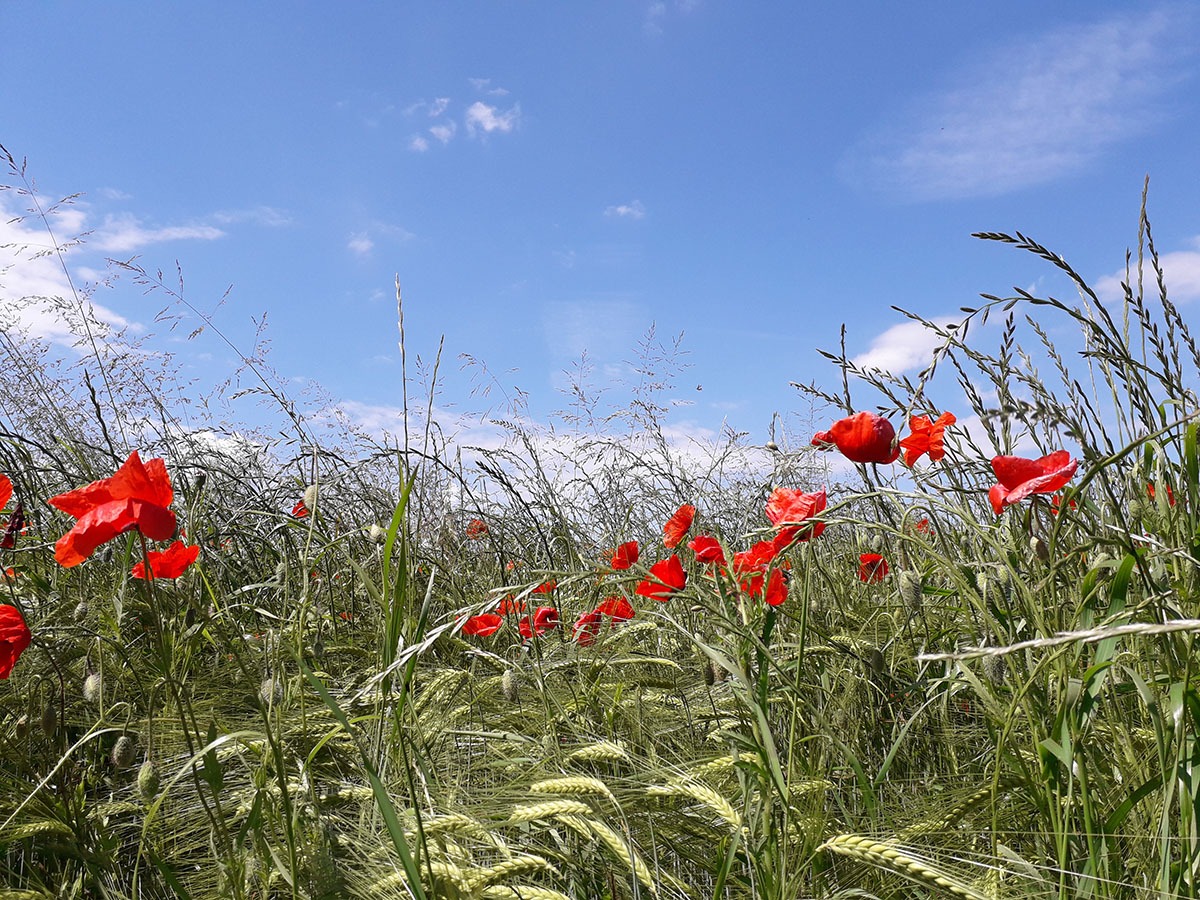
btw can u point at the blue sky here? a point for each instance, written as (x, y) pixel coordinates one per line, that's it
(550, 178)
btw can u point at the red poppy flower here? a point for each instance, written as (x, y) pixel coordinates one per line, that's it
(477, 530)
(546, 587)
(587, 627)
(926, 437)
(625, 555)
(872, 567)
(756, 559)
(678, 525)
(924, 527)
(510, 606)
(1149, 491)
(617, 607)
(862, 438)
(137, 496)
(482, 625)
(544, 619)
(299, 510)
(5, 491)
(170, 563)
(1021, 478)
(667, 578)
(708, 549)
(789, 507)
(14, 638)
(777, 588)
(1056, 504)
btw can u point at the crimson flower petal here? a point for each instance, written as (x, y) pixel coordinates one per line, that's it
(170, 563)
(625, 555)
(14, 638)
(483, 625)
(678, 525)
(667, 578)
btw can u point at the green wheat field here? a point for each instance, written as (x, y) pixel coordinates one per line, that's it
(594, 667)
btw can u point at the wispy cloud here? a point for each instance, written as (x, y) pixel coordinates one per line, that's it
(31, 280)
(902, 347)
(360, 244)
(484, 118)
(267, 216)
(418, 144)
(1033, 112)
(125, 232)
(444, 131)
(656, 14)
(632, 210)
(484, 86)
(1181, 272)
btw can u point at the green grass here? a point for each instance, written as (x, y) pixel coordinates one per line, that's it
(1011, 712)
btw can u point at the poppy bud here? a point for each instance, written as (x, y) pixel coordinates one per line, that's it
(1038, 546)
(49, 719)
(124, 752)
(377, 534)
(995, 668)
(876, 661)
(772, 446)
(912, 591)
(22, 727)
(310, 497)
(93, 687)
(510, 686)
(270, 692)
(148, 781)
(717, 672)
(81, 611)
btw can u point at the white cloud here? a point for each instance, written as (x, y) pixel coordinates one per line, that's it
(418, 144)
(360, 244)
(266, 216)
(31, 279)
(1181, 272)
(444, 131)
(438, 106)
(1029, 113)
(634, 210)
(483, 85)
(902, 347)
(481, 117)
(124, 233)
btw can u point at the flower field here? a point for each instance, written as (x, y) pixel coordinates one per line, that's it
(907, 654)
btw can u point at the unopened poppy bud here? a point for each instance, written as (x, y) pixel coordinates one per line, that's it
(912, 592)
(124, 752)
(49, 719)
(876, 661)
(995, 668)
(148, 781)
(772, 446)
(310, 497)
(270, 692)
(22, 727)
(377, 534)
(81, 611)
(1038, 546)
(510, 686)
(717, 672)
(93, 687)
